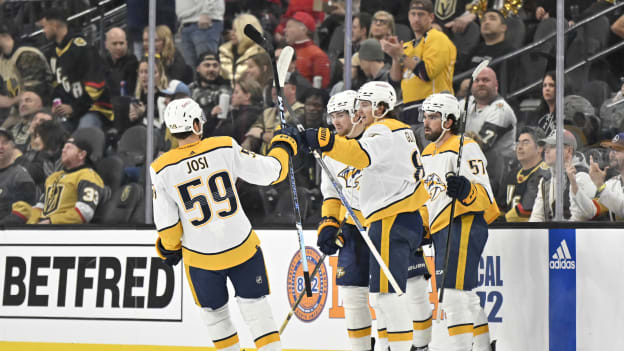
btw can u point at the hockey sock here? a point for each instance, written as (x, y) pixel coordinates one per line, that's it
(382, 333)
(420, 310)
(480, 330)
(357, 316)
(456, 305)
(257, 314)
(220, 328)
(398, 321)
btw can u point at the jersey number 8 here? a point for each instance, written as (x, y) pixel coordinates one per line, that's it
(221, 190)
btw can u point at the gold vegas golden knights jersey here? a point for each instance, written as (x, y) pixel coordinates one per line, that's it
(389, 159)
(437, 163)
(70, 197)
(196, 205)
(349, 179)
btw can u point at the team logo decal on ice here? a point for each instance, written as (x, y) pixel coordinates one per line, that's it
(310, 307)
(434, 185)
(562, 259)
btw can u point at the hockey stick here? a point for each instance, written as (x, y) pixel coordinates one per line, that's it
(254, 35)
(316, 268)
(345, 202)
(462, 126)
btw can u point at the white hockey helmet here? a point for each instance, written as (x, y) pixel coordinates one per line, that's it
(446, 104)
(376, 92)
(180, 115)
(343, 101)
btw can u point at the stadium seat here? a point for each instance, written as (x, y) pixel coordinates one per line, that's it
(98, 139)
(110, 170)
(466, 42)
(596, 92)
(516, 32)
(404, 32)
(122, 205)
(597, 35)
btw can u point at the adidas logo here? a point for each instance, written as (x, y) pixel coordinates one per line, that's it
(562, 259)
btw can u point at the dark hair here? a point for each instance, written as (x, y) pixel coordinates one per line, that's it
(315, 92)
(181, 136)
(365, 19)
(263, 60)
(56, 14)
(500, 15)
(425, 5)
(52, 134)
(536, 133)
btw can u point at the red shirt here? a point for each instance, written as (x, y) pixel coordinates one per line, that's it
(312, 61)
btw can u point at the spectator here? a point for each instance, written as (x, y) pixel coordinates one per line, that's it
(577, 180)
(294, 6)
(260, 69)
(523, 187)
(122, 65)
(453, 16)
(491, 122)
(80, 77)
(311, 60)
(423, 66)
(137, 20)
(493, 29)
(360, 29)
(38, 118)
(73, 193)
(302, 83)
(382, 25)
(175, 90)
(17, 189)
(612, 111)
(138, 107)
(172, 60)
(609, 197)
(30, 104)
(234, 54)
(546, 120)
(208, 84)
(246, 107)
(372, 61)
(260, 134)
(43, 156)
(21, 67)
(202, 24)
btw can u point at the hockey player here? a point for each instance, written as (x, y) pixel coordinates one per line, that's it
(475, 207)
(199, 217)
(390, 195)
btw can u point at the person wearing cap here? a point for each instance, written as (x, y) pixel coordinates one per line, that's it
(208, 84)
(21, 67)
(311, 60)
(372, 61)
(202, 24)
(175, 90)
(121, 64)
(425, 65)
(609, 198)
(576, 182)
(72, 194)
(80, 77)
(30, 102)
(17, 188)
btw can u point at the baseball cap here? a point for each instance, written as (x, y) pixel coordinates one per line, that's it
(370, 50)
(56, 13)
(425, 5)
(306, 19)
(6, 134)
(82, 142)
(176, 87)
(568, 139)
(208, 55)
(617, 143)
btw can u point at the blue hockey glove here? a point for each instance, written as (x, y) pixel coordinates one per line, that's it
(287, 138)
(327, 230)
(458, 187)
(171, 257)
(319, 139)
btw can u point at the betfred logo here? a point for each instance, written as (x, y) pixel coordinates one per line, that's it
(562, 259)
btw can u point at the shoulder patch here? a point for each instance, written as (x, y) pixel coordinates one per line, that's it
(80, 42)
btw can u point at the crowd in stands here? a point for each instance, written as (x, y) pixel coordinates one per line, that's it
(73, 120)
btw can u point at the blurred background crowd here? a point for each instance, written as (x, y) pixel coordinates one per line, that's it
(74, 81)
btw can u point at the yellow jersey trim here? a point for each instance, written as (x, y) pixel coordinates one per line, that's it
(480, 329)
(282, 157)
(60, 52)
(386, 226)
(410, 203)
(58, 346)
(422, 325)
(226, 342)
(331, 208)
(350, 152)
(182, 153)
(267, 339)
(359, 333)
(460, 329)
(400, 336)
(190, 282)
(225, 259)
(466, 225)
(170, 236)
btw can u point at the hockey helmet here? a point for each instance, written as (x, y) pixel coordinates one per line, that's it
(180, 115)
(343, 101)
(376, 92)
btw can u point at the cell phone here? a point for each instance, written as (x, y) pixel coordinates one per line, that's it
(135, 101)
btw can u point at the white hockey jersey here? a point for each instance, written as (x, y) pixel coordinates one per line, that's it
(196, 204)
(495, 124)
(389, 158)
(437, 163)
(348, 178)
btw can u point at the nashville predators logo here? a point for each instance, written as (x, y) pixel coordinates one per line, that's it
(434, 185)
(444, 9)
(351, 177)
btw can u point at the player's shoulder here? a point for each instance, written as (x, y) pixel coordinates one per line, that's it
(388, 125)
(181, 153)
(451, 145)
(79, 41)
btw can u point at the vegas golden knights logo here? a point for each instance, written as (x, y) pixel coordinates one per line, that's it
(52, 199)
(444, 9)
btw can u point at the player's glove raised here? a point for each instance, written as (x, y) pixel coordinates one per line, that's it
(171, 257)
(458, 187)
(319, 139)
(287, 138)
(327, 230)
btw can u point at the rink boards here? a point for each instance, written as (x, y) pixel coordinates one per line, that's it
(557, 289)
